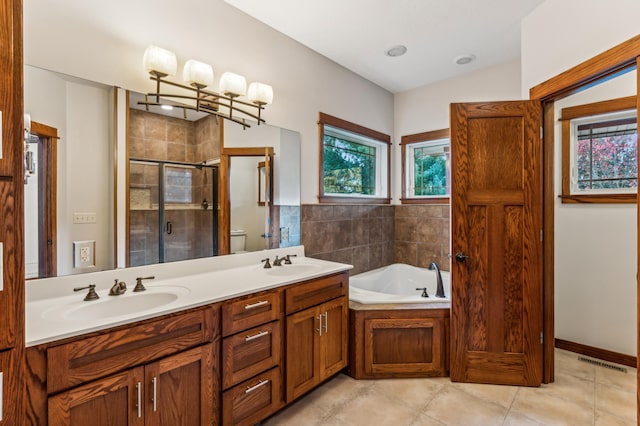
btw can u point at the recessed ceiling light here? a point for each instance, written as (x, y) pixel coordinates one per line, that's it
(398, 50)
(464, 59)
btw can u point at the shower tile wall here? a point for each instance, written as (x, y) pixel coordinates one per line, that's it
(156, 137)
(369, 237)
(422, 235)
(361, 235)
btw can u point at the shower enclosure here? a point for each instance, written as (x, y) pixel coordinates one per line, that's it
(173, 211)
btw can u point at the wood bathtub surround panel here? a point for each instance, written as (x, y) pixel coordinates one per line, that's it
(252, 310)
(246, 354)
(108, 401)
(253, 400)
(309, 294)
(395, 343)
(402, 345)
(496, 320)
(93, 357)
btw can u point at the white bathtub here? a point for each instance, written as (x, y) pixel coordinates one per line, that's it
(397, 283)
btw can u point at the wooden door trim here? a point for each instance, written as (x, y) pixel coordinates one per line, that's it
(47, 218)
(607, 63)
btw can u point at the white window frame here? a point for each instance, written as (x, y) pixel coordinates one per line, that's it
(410, 167)
(575, 123)
(380, 161)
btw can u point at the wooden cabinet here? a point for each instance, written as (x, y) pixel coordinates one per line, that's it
(317, 342)
(158, 372)
(174, 390)
(252, 358)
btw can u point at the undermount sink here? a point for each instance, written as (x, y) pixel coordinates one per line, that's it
(115, 306)
(293, 269)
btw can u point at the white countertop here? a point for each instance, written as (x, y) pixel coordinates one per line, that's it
(48, 311)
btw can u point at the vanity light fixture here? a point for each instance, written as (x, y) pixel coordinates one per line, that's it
(161, 63)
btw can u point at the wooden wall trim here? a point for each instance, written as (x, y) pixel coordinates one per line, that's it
(609, 62)
(603, 354)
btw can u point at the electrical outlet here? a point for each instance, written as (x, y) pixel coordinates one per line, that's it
(84, 218)
(84, 254)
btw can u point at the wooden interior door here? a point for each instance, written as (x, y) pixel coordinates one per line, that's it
(496, 202)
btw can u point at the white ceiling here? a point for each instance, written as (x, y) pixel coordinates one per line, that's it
(357, 33)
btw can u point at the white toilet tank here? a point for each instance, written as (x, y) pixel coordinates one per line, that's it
(238, 241)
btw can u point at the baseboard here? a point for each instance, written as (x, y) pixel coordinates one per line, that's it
(603, 354)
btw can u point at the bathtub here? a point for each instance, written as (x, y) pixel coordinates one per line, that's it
(397, 283)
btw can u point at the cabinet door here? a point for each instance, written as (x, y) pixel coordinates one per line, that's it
(114, 400)
(303, 352)
(180, 389)
(333, 342)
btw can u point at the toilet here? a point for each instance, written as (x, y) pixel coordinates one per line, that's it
(238, 241)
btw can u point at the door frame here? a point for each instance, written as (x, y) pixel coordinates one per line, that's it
(600, 66)
(47, 198)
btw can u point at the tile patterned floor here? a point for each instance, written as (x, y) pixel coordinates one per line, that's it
(582, 394)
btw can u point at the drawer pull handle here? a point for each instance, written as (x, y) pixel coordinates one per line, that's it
(256, 305)
(139, 401)
(252, 388)
(319, 329)
(154, 381)
(326, 322)
(256, 336)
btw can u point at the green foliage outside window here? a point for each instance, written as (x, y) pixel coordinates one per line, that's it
(349, 167)
(430, 173)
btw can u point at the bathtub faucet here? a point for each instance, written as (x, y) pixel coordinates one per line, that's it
(440, 287)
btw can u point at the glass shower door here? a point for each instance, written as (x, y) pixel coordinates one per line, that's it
(172, 212)
(189, 213)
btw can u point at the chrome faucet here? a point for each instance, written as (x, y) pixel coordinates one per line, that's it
(440, 287)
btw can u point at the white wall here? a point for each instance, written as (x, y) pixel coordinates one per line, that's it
(245, 212)
(31, 231)
(80, 112)
(596, 249)
(427, 108)
(111, 52)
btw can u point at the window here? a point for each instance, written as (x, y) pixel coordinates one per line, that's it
(354, 163)
(599, 152)
(426, 175)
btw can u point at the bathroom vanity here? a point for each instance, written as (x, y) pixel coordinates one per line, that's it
(219, 356)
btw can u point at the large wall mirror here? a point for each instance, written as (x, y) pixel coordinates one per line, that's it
(172, 186)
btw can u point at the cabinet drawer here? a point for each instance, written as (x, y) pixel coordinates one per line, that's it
(251, 311)
(315, 292)
(248, 353)
(253, 400)
(98, 356)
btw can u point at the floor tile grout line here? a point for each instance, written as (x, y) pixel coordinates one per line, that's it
(515, 395)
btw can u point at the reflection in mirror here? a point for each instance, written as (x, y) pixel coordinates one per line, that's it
(173, 184)
(72, 175)
(245, 214)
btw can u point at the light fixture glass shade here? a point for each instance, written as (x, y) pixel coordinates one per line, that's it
(197, 74)
(160, 61)
(233, 84)
(260, 94)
